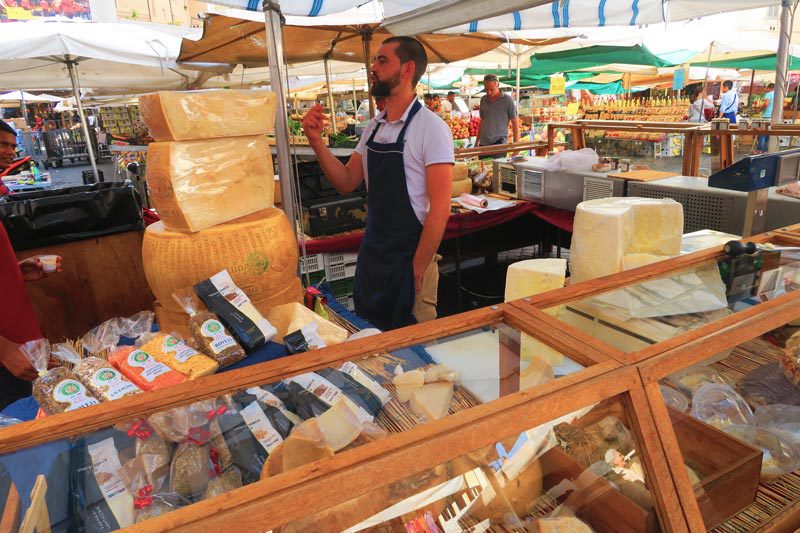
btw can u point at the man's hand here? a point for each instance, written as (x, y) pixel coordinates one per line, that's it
(13, 360)
(419, 273)
(313, 122)
(33, 269)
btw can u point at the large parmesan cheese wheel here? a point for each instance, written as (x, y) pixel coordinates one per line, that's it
(198, 184)
(259, 251)
(461, 186)
(189, 115)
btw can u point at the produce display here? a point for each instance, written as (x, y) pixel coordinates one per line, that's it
(122, 120)
(464, 128)
(608, 230)
(636, 109)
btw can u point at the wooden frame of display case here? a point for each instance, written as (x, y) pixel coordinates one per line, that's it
(662, 268)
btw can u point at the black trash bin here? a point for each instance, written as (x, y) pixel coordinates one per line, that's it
(88, 176)
(45, 218)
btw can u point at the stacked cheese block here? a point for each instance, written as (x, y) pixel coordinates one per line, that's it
(211, 180)
(461, 180)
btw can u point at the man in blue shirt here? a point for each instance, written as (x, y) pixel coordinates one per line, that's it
(729, 104)
(763, 140)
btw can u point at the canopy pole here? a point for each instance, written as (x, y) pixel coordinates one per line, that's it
(330, 93)
(73, 78)
(750, 95)
(780, 70)
(366, 38)
(705, 83)
(518, 54)
(272, 21)
(22, 103)
(355, 96)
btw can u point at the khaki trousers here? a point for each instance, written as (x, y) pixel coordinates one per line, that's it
(426, 299)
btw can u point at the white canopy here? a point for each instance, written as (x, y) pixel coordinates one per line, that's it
(108, 56)
(18, 96)
(410, 17)
(318, 9)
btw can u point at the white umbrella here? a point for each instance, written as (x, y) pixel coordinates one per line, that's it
(53, 51)
(21, 96)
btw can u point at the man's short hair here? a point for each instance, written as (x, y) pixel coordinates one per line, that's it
(728, 84)
(4, 127)
(410, 49)
(450, 93)
(490, 77)
(427, 96)
(771, 86)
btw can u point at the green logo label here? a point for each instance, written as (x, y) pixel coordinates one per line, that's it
(69, 389)
(140, 356)
(211, 328)
(258, 261)
(106, 375)
(170, 342)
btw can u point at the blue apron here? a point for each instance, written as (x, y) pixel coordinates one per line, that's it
(384, 286)
(730, 112)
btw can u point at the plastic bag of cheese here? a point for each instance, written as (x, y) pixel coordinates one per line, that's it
(186, 115)
(148, 499)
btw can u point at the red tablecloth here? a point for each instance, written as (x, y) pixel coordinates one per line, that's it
(457, 226)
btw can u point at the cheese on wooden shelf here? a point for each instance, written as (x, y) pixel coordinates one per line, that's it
(432, 400)
(608, 229)
(460, 187)
(291, 317)
(188, 115)
(195, 185)
(339, 425)
(259, 251)
(527, 278)
(407, 382)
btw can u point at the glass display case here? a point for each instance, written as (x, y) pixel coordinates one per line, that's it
(267, 430)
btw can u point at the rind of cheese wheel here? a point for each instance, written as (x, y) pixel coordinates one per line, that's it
(407, 382)
(195, 185)
(190, 115)
(460, 171)
(259, 251)
(534, 276)
(306, 444)
(631, 261)
(460, 187)
(607, 229)
(291, 317)
(562, 524)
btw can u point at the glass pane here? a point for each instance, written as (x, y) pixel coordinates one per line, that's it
(640, 315)
(126, 473)
(736, 417)
(580, 472)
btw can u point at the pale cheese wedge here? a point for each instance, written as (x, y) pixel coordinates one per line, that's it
(339, 425)
(432, 400)
(407, 382)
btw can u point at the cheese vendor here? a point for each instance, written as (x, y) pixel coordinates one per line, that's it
(406, 157)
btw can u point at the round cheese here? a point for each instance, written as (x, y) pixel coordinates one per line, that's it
(460, 187)
(259, 251)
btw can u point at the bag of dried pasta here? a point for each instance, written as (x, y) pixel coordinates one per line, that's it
(103, 380)
(56, 390)
(143, 370)
(209, 333)
(173, 352)
(148, 499)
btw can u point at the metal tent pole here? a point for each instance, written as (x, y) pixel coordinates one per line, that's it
(366, 38)
(22, 103)
(780, 70)
(272, 20)
(330, 94)
(518, 54)
(73, 77)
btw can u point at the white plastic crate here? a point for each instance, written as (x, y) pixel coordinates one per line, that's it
(312, 263)
(347, 302)
(336, 272)
(336, 258)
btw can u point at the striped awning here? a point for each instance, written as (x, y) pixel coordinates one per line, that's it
(301, 8)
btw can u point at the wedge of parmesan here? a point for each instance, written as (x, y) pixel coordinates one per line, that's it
(432, 400)
(339, 425)
(407, 382)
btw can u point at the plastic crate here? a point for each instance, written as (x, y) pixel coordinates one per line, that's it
(342, 287)
(336, 258)
(347, 302)
(337, 272)
(312, 263)
(314, 277)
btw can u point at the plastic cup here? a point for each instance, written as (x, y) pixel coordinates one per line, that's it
(49, 263)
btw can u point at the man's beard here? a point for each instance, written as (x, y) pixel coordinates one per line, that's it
(383, 89)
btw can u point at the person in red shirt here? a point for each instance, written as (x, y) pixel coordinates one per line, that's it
(18, 323)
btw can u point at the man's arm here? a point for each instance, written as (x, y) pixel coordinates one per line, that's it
(438, 179)
(514, 122)
(13, 360)
(344, 177)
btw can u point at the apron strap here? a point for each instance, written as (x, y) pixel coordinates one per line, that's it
(402, 135)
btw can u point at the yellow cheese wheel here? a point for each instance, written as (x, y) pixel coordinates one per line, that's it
(277, 194)
(460, 187)
(189, 115)
(460, 171)
(259, 251)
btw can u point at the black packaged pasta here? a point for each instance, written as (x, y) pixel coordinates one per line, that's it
(358, 393)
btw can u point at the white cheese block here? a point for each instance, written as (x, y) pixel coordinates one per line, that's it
(534, 276)
(195, 185)
(339, 425)
(407, 382)
(607, 229)
(432, 400)
(631, 261)
(291, 317)
(188, 115)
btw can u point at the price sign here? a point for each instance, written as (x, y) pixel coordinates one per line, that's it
(558, 85)
(573, 108)
(18, 13)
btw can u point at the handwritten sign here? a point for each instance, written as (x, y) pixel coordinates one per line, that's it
(558, 85)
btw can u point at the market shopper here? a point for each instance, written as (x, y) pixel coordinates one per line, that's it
(698, 104)
(451, 98)
(497, 110)
(729, 104)
(405, 156)
(769, 98)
